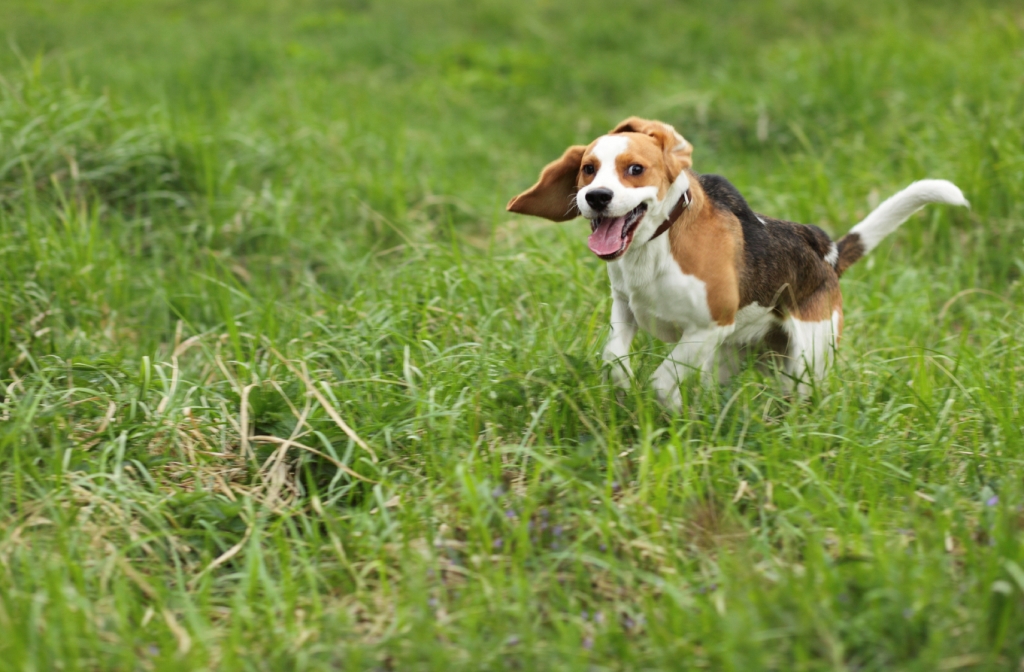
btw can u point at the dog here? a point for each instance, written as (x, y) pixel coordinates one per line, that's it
(693, 265)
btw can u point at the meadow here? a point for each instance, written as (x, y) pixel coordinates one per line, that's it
(285, 387)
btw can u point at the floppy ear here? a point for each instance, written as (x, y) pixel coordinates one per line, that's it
(678, 152)
(554, 195)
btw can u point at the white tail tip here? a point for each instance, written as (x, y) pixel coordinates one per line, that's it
(884, 219)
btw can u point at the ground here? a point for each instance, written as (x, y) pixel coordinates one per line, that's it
(285, 387)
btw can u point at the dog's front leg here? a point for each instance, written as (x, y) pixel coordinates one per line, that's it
(694, 354)
(616, 350)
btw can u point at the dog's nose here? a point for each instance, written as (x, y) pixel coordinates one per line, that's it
(599, 198)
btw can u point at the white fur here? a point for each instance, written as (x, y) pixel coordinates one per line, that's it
(884, 219)
(832, 258)
(694, 353)
(812, 347)
(753, 321)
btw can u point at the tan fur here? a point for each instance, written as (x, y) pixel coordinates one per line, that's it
(819, 306)
(553, 196)
(707, 243)
(678, 153)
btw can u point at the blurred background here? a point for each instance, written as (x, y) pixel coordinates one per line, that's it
(434, 113)
(208, 209)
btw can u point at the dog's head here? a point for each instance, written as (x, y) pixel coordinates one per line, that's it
(626, 183)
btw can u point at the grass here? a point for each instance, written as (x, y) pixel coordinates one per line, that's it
(286, 388)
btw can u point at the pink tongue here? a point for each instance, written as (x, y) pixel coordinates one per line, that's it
(607, 238)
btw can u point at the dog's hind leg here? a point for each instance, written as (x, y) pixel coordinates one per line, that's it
(811, 349)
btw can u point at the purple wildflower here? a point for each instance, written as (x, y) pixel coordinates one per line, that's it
(992, 501)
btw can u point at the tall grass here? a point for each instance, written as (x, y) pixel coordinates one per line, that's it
(284, 387)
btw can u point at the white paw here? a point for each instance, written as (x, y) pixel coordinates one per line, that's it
(666, 387)
(618, 371)
(620, 377)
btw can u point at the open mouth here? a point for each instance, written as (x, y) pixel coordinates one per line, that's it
(612, 235)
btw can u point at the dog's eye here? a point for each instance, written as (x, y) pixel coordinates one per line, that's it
(634, 169)
(589, 169)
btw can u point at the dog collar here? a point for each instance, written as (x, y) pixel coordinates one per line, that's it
(683, 204)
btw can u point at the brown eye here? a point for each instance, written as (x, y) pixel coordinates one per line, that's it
(589, 169)
(634, 170)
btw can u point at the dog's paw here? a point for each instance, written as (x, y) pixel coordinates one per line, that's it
(619, 373)
(670, 400)
(666, 389)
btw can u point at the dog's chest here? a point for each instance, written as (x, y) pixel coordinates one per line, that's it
(664, 300)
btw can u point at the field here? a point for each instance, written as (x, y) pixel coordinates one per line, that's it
(285, 387)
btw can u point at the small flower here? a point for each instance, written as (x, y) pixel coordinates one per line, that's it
(601, 547)
(512, 640)
(584, 615)
(509, 513)
(599, 617)
(497, 543)
(497, 492)
(557, 530)
(432, 602)
(588, 642)
(992, 501)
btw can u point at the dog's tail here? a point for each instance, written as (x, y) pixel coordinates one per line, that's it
(887, 217)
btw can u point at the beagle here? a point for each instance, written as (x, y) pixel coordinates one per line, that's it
(693, 265)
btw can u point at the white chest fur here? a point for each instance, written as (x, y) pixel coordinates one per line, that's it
(664, 301)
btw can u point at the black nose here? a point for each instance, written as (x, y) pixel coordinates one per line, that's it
(599, 198)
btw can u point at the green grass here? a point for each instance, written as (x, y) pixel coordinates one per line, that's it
(286, 388)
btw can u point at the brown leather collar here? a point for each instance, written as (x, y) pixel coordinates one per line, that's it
(683, 204)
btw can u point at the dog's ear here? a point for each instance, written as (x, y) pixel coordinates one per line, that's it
(678, 152)
(554, 195)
